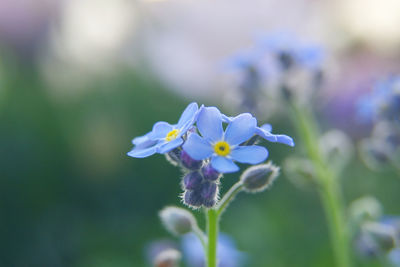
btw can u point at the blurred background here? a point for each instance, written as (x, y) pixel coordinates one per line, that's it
(80, 78)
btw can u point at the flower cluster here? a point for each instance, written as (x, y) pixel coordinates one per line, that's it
(382, 108)
(206, 143)
(383, 103)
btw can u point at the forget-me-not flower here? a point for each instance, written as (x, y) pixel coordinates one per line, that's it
(224, 147)
(383, 102)
(165, 137)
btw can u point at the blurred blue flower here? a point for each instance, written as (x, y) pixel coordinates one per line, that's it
(383, 102)
(224, 147)
(228, 255)
(165, 137)
(291, 51)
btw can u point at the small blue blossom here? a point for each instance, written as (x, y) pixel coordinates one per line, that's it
(165, 137)
(383, 102)
(228, 255)
(224, 147)
(290, 51)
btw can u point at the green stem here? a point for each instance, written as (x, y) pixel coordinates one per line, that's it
(228, 197)
(212, 230)
(329, 190)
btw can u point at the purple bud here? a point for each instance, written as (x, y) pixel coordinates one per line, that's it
(208, 194)
(192, 180)
(190, 163)
(192, 198)
(210, 173)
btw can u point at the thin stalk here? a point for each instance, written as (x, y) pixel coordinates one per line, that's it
(329, 190)
(212, 230)
(228, 197)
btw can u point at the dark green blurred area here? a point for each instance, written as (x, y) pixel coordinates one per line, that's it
(71, 197)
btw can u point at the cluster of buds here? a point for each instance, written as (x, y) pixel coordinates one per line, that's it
(200, 180)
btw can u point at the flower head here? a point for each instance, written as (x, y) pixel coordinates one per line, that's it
(383, 102)
(164, 137)
(224, 147)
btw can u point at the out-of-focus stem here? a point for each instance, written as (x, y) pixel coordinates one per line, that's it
(329, 189)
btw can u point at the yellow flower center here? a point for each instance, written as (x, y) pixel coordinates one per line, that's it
(222, 148)
(172, 135)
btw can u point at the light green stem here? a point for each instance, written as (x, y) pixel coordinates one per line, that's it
(212, 230)
(228, 197)
(329, 190)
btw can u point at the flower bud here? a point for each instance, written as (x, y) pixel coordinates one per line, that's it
(192, 198)
(178, 221)
(383, 235)
(363, 209)
(188, 162)
(210, 173)
(260, 177)
(192, 181)
(301, 172)
(209, 194)
(168, 258)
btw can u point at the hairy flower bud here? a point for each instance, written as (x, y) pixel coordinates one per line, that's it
(209, 194)
(192, 198)
(178, 221)
(188, 162)
(192, 180)
(209, 173)
(260, 177)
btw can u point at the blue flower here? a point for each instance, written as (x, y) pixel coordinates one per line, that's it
(228, 255)
(224, 147)
(291, 51)
(165, 137)
(383, 102)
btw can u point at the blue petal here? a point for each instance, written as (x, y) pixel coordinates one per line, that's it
(279, 138)
(209, 124)
(140, 139)
(170, 145)
(249, 154)
(197, 147)
(226, 119)
(267, 127)
(266, 134)
(284, 139)
(188, 115)
(160, 130)
(240, 129)
(223, 165)
(142, 153)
